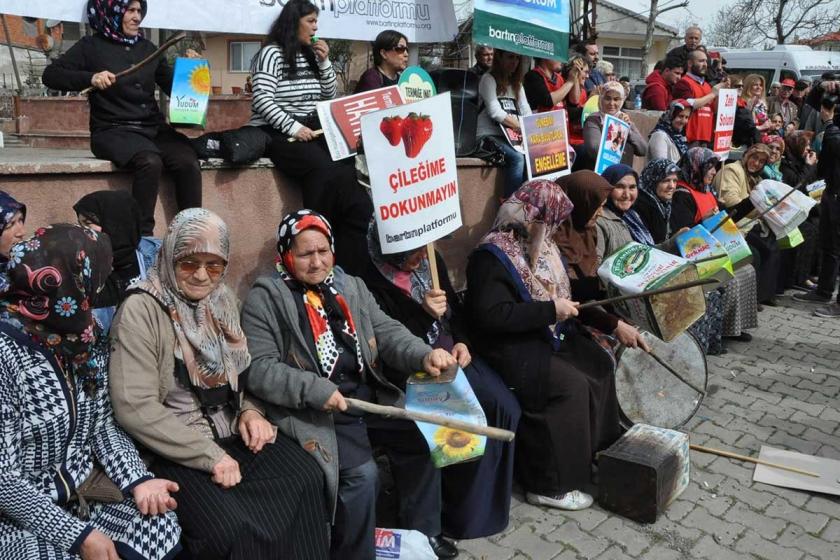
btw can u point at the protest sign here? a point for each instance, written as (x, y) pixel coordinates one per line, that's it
(721, 226)
(546, 144)
(725, 123)
(341, 118)
(538, 28)
(414, 179)
(699, 246)
(422, 21)
(614, 134)
(449, 395)
(415, 84)
(190, 91)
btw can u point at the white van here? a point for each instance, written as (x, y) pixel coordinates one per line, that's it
(798, 62)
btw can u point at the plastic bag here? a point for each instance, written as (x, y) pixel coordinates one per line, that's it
(403, 544)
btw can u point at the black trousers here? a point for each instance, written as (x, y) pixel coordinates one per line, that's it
(829, 243)
(147, 152)
(278, 511)
(330, 188)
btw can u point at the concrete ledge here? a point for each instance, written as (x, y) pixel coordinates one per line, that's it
(251, 199)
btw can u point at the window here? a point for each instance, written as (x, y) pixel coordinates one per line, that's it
(241, 53)
(626, 61)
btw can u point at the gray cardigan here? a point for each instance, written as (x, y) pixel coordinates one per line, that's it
(284, 371)
(636, 144)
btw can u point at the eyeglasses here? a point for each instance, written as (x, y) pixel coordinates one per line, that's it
(399, 49)
(213, 269)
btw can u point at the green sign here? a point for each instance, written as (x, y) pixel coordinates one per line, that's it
(538, 28)
(416, 85)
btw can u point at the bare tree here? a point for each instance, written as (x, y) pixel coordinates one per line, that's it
(655, 12)
(781, 21)
(728, 30)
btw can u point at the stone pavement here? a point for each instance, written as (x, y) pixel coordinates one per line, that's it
(780, 389)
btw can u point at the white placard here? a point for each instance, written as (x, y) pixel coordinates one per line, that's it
(413, 174)
(422, 21)
(725, 122)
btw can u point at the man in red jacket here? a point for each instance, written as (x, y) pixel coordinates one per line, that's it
(694, 88)
(657, 95)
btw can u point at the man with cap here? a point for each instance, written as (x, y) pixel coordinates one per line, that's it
(783, 103)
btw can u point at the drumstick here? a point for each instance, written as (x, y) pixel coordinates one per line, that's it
(673, 372)
(394, 412)
(318, 132)
(731, 455)
(656, 292)
(172, 40)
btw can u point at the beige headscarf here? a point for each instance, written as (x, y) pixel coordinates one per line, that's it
(210, 338)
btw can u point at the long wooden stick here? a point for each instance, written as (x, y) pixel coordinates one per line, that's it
(673, 372)
(731, 455)
(430, 251)
(315, 133)
(767, 211)
(394, 412)
(656, 292)
(172, 40)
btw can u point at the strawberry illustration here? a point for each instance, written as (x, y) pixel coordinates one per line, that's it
(392, 128)
(416, 131)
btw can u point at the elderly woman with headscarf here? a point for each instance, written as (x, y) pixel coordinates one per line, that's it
(619, 224)
(773, 168)
(317, 337)
(126, 125)
(733, 184)
(609, 103)
(657, 186)
(12, 219)
(476, 495)
(178, 369)
(71, 481)
(668, 141)
(529, 329)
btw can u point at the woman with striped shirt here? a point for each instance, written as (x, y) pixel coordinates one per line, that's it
(289, 76)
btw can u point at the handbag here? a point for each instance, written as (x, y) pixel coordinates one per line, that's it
(97, 487)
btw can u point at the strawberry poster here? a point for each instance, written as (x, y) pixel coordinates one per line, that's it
(341, 118)
(546, 145)
(413, 175)
(725, 122)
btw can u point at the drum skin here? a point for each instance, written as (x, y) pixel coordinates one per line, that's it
(649, 394)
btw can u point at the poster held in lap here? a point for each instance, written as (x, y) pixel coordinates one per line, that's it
(614, 134)
(413, 177)
(190, 92)
(341, 119)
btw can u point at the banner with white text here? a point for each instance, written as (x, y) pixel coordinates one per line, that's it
(422, 21)
(546, 145)
(413, 174)
(725, 122)
(538, 28)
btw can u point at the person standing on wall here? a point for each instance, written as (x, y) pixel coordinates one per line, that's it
(126, 125)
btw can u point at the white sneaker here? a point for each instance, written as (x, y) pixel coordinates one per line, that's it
(573, 501)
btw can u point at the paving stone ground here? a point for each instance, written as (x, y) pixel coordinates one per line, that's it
(781, 389)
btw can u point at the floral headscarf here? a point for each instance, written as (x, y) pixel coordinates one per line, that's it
(773, 170)
(577, 238)
(665, 124)
(9, 207)
(655, 172)
(521, 238)
(53, 276)
(613, 174)
(106, 17)
(614, 87)
(694, 165)
(210, 339)
(327, 327)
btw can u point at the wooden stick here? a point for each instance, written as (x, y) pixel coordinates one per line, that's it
(673, 372)
(731, 455)
(315, 133)
(656, 292)
(430, 250)
(394, 412)
(765, 212)
(172, 40)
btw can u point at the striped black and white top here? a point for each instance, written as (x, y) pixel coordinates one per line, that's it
(279, 99)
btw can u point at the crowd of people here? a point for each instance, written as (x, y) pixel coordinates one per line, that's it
(145, 412)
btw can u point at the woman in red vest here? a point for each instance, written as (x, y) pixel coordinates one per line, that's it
(695, 199)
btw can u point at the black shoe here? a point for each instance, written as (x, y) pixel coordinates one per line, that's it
(442, 547)
(812, 297)
(771, 302)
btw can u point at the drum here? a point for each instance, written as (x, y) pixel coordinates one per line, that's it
(649, 394)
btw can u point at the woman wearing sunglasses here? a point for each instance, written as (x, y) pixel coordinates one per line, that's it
(178, 370)
(390, 57)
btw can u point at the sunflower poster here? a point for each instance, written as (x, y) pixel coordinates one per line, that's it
(448, 395)
(190, 92)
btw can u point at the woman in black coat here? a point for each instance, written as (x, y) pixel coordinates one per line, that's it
(476, 495)
(126, 125)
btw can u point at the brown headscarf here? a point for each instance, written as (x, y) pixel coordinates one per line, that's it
(577, 238)
(756, 150)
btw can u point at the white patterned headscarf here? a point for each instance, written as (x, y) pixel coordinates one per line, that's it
(210, 338)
